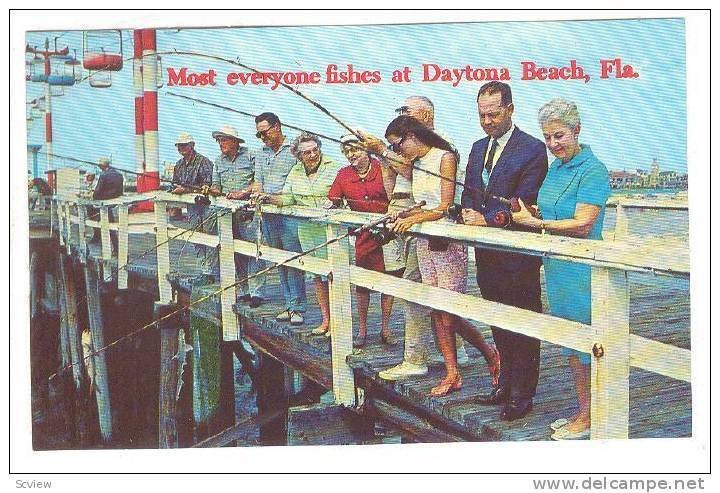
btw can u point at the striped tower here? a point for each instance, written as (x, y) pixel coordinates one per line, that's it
(143, 183)
(150, 110)
(48, 129)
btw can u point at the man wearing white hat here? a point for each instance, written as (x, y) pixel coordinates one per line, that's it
(192, 171)
(233, 175)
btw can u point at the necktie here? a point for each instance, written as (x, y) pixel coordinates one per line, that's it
(491, 157)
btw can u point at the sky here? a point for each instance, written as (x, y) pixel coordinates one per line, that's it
(627, 122)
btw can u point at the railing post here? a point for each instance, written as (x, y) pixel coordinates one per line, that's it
(621, 222)
(610, 365)
(227, 278)
(122, 276)
(105, 242)
(162, 252)
(340, 316)
(61, 222)
(82, 239)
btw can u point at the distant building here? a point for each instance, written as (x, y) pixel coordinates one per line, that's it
(654, 178)
(623, 179)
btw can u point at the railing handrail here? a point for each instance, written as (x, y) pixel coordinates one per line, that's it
(674, 260)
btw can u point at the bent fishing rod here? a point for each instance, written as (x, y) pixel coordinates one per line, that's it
(360, 143)
(203, 190)
(351, 232)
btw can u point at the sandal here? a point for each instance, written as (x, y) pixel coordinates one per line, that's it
(321, 331)
(446, 386)
(559, 423)
(388, 339)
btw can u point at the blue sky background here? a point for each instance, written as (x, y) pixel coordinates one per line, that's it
(626, 122)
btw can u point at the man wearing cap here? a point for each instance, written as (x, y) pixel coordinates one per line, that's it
(272, 167)
(109, 186)
(192, 171)
(233, 175)
(418, 334)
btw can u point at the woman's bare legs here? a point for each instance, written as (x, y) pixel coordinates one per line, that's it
(323, 296)
(581, 376)
(443, 324)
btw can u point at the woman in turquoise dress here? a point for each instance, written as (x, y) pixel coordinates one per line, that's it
(571, 202)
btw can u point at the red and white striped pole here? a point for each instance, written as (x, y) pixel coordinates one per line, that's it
(138, 90)
(150, 109)
(146, 114)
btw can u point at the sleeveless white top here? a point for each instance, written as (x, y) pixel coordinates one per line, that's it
(424, 185)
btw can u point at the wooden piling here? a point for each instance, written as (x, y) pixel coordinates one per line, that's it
(167, 405)
(95, 322)
(70, 313)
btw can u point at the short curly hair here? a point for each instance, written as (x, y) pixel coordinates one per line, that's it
(559, 110)
(304, 137)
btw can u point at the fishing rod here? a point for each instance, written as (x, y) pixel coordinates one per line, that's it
(503, 200)
(352, 231)
(193, 188)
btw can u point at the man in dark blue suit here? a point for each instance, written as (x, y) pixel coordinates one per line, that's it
(507, 163)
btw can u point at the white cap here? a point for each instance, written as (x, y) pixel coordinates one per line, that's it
(104, 161)
(227, 131)
(184, 138)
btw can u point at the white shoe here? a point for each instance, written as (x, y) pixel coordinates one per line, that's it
(403, 370)
(283, 316)
(296, 318)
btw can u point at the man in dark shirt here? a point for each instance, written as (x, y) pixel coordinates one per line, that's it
(109, 186)
(110, 182)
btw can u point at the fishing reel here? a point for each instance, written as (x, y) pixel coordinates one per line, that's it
(203, 199)
(381, 235)
(454, 212)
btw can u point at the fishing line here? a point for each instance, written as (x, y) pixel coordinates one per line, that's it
(353, 231)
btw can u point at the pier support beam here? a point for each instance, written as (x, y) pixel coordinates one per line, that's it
(340, 319)
(70, 313)
(610, 364)
(169, 376)
(95, 321)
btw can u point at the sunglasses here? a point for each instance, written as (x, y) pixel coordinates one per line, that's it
(263, 133)
(402, 110)
(396, 146)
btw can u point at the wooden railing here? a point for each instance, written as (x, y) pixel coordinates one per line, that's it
(608, 339)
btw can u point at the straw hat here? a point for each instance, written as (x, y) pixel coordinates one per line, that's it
(184, 138)
(228, 131)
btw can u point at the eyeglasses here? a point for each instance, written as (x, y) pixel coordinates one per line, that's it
(395, 147)
(263, 133)
(308, 152)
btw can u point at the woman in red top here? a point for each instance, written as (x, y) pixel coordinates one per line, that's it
(361, 186)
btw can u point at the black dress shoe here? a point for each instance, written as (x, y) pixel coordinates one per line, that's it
(255, 301)
(516, 409)
(244, 298)
(498, 396)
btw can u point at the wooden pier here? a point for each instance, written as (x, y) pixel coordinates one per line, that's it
(641, 387)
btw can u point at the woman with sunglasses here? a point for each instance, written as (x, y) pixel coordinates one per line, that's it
(361, 186)
(442, 264)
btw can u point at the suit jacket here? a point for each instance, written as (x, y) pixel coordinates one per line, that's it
(109, 185)
(518, 172)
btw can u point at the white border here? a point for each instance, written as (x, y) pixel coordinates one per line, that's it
(678, 455)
